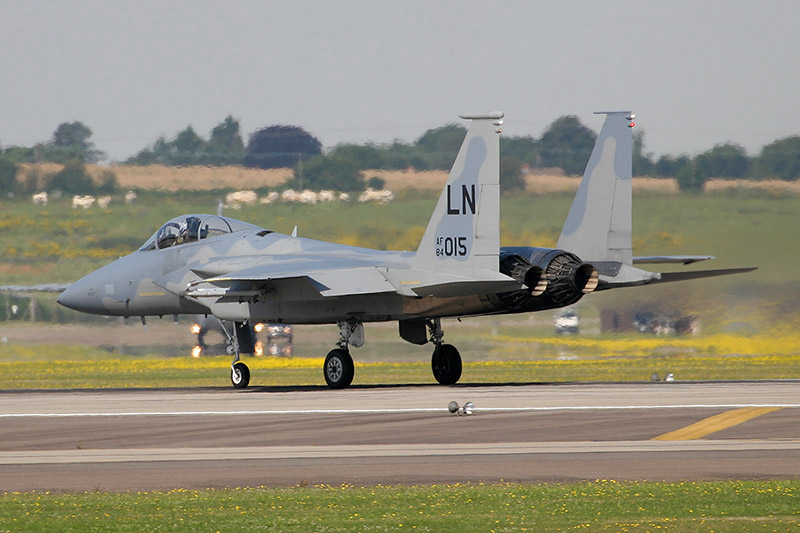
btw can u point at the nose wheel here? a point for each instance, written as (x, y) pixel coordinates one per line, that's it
(240, 375)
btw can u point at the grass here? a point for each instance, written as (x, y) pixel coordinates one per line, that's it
(603, 505)
(539, 359)
(738, 228)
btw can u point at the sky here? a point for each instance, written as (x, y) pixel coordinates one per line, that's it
(695, 73)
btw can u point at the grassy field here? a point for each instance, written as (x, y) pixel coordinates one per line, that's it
(749, 227)
(515, 359)
(603, 505)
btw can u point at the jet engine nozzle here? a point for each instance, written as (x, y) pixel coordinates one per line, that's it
(586, 278)
(552, 278)
(532, 276)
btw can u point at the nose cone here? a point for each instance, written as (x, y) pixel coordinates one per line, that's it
(80, 296)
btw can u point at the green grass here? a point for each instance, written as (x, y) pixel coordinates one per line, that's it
(738, 228)
(603, 505)
(68, 367)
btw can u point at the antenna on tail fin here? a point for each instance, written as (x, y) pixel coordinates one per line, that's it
(598, 227)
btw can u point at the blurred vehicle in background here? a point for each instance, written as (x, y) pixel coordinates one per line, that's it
(566, 321)
(277, 341)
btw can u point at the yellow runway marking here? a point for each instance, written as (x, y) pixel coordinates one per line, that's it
(716, 423)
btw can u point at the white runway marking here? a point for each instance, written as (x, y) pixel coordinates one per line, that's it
(360, 451)
(476, 410)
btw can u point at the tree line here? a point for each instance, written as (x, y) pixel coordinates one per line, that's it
(566, 144)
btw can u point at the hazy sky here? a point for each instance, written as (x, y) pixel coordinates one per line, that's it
(695, 72)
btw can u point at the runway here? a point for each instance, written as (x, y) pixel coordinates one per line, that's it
(195, 438)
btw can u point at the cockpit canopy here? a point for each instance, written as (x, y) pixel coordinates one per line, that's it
(191, 228)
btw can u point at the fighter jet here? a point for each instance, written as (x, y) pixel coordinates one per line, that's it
(242, 274)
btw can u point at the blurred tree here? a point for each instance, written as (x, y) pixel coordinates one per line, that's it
(8, 175)
(376, 182)
(186, 147)
(566, 144)
(523, 148)
(280, 146)
(72, 179)
(511, 178)
(726, 160)
(72, 134)
(779, 159)
(71, 141)
(438, 147)
(689, 179)
(325, 172)
(401, 156)
(642, 163)
(668, 166)
(363, 155)
(18, 154)
(225, 147)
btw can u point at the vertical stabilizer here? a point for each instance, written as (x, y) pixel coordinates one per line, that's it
(463, 234)
(598, 227)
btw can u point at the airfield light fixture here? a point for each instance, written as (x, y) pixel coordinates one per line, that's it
(465, 410)
(468, 407)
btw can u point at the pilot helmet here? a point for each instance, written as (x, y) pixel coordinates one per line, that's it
(190, 227)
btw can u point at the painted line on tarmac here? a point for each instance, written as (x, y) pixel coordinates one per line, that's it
(360, 451)
(716, 423)
(476, 410)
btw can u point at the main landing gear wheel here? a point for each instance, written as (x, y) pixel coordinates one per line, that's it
(446, 364)
(240, 375)
(338, 369)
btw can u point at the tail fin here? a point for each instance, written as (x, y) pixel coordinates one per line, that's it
(463, 233)
(598, 227)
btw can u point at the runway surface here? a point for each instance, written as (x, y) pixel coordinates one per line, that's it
(194, 438)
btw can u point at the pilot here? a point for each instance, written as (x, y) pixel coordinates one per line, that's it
(189, 230)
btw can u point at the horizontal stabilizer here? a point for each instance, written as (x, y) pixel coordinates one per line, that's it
(662, 259)
(698, 274)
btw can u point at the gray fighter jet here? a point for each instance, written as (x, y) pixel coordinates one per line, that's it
(241, 273)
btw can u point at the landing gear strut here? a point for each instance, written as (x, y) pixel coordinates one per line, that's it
(445, 361)
(240, 374)
(338, 368)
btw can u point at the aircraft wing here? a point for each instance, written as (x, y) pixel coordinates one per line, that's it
(333, 277)
(336, 281)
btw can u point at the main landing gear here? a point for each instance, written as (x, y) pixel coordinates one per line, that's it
(338, 367)
(445, 361)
